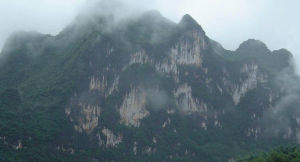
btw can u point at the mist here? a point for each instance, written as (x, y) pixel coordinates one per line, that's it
(228, 22)
(219, 19)
(285, 114)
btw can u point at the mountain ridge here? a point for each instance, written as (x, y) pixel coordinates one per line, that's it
(145, 90)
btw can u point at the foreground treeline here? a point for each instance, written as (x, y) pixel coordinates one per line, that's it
(289, 154)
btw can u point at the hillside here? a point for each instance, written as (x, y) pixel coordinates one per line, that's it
(142, 89)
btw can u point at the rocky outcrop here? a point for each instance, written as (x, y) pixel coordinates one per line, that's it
(254, 132)
(253, 78)
(98, 84)
(100, 141)
(168, 67)
(19, 146)
(166, 123)
(111, 139)
(239, 89)
(140, 57)
(133, 110)
(134, 149)
(189, 52)
(84, 116)
(64, 149)
(114, 87)
(217, 122)
(149, 150)
(101, 85)
(187, 102)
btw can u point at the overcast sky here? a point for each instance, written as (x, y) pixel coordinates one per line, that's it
(230, 22)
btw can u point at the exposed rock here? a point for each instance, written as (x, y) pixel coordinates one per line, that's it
(19, 146)
(114, 87)
(217, 122)
(186, 152)
(220, 89)
(133, 109)
(185, 52)
(3, 140)
(140, 57)
(100, 141)
(99, 84)
(87, 119)
(189, 53)
(109, 51)
(68, 111)
(111, 139)
(204, 125)
(250, 83)
(271, 98)
(253, 78)
(148, 150)
(63, 149)
(134, 148)
(168, 67)
(168, 122)
(253, 132)
(154, 140)
(187, 102)
(170, 111)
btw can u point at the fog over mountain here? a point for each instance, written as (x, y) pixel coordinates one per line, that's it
(111, 80)
(229, 22)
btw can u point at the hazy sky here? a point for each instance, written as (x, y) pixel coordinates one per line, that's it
(230, 22)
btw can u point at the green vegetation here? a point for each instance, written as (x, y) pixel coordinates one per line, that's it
(283, 154)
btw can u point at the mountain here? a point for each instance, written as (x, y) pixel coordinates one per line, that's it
(142, 89)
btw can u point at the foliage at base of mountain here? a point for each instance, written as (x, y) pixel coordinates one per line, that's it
(282, 154)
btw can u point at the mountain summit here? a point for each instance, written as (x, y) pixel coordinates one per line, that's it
(252, 45)
(189, 22)
(142, 89)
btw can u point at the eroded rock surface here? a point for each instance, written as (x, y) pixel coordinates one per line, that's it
(253, 78)
(111, 139)
(189, 52)
(133, 110)
(84, 116)
(187, 102)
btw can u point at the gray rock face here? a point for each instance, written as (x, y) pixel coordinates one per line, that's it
(186, 100)
(253, 78)
(87, 119)
(111, 139)
(133, 110)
